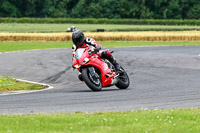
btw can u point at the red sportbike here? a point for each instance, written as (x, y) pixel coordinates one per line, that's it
(97, 72)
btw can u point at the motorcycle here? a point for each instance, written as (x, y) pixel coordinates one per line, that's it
(97, 72)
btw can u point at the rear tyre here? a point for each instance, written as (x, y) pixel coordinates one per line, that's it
(124, 81)
(94, 84)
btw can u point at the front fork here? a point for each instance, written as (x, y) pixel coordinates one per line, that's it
(92, 73)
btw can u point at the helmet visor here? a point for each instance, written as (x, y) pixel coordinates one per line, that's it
(78, 41)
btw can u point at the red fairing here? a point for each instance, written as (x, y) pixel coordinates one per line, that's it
(107, 74)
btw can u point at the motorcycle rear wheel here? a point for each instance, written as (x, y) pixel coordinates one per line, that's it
(124, 81)
(93, 84)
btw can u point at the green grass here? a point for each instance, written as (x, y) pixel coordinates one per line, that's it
(18, 46)
(141, 121)
(9, 84)
(47, 28)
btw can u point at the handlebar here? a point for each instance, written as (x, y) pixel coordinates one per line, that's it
(93, 52)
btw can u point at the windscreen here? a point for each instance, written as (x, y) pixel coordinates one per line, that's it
(79, 53)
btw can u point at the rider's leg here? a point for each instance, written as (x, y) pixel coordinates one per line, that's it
(107, 55)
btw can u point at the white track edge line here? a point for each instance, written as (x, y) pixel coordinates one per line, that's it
(25, 91)
(19, 51)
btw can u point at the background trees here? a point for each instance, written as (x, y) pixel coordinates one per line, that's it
(138, 9)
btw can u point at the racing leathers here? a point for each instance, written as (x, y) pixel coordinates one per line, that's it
(91, 44)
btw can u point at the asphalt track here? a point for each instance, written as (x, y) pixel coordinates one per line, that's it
(161, 78)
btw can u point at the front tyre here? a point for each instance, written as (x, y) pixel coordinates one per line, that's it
(94, 84)
(124, 81)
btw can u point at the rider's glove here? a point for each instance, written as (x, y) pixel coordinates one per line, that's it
(97, 49)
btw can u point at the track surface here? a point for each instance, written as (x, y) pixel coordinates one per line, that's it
(161, 77)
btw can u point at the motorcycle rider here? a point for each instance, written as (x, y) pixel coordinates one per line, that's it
(80, 41)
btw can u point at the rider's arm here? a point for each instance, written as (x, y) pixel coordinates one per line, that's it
(92, 42)
(73, 51)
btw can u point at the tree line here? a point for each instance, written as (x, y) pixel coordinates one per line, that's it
(137, 9)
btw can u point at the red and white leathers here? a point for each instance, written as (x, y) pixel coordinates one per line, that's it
(91, 44)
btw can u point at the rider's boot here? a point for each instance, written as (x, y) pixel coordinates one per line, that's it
(116, 65)
(108, 56)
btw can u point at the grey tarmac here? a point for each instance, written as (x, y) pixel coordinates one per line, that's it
(161, 78)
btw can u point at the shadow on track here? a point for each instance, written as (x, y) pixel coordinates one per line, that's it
(103, 90)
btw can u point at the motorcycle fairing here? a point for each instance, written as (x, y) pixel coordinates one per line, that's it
(107, 74)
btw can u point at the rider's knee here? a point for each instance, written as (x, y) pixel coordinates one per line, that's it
(106, 54)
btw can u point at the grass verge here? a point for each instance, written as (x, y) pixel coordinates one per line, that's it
(141, 121)
(19, 46)
(49, 28)
(8, 84)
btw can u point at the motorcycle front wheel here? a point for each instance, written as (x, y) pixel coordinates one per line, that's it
(93, 83)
